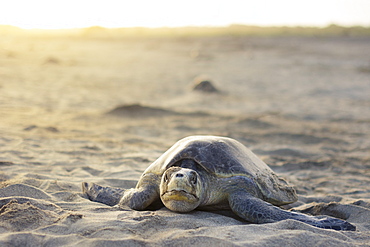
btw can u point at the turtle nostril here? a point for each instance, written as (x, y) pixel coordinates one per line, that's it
(179, 175)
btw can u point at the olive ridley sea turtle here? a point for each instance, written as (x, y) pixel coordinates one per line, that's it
(211, 172)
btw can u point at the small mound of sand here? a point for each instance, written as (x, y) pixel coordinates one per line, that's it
(49, 129)
(254, 123)
(205, 86)
(138, 110)
(52, 60)
(23, 190)
(19, 217)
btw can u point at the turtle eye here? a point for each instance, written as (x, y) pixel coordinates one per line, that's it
(165, 177)
(193, 178)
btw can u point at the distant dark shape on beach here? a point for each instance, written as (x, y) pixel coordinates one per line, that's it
(138, 110)
(52, 60)
(205, 86)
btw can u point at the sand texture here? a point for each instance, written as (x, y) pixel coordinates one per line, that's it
(101, 110)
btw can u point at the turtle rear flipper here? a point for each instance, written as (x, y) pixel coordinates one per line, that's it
(107, 195)
(256, 210)
(332, 223)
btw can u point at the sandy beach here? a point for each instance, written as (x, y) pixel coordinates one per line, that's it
(97, 109)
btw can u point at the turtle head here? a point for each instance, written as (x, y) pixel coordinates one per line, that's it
(181, 189)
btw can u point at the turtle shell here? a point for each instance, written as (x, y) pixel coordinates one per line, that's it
(225, 157)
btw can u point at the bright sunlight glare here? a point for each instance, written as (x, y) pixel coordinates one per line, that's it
(57, 14)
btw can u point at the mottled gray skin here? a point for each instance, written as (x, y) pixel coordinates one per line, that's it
(210, 172)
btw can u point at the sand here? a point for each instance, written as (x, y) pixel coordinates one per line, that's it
(77, 109)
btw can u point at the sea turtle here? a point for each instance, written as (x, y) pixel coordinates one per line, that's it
(211, 172)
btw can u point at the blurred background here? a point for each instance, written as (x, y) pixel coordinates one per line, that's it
(165, 13)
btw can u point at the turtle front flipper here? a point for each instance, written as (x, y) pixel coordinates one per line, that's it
(256, 210)
(145, 193)
(107, 195)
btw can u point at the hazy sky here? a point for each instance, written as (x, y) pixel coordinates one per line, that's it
(157, 13)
